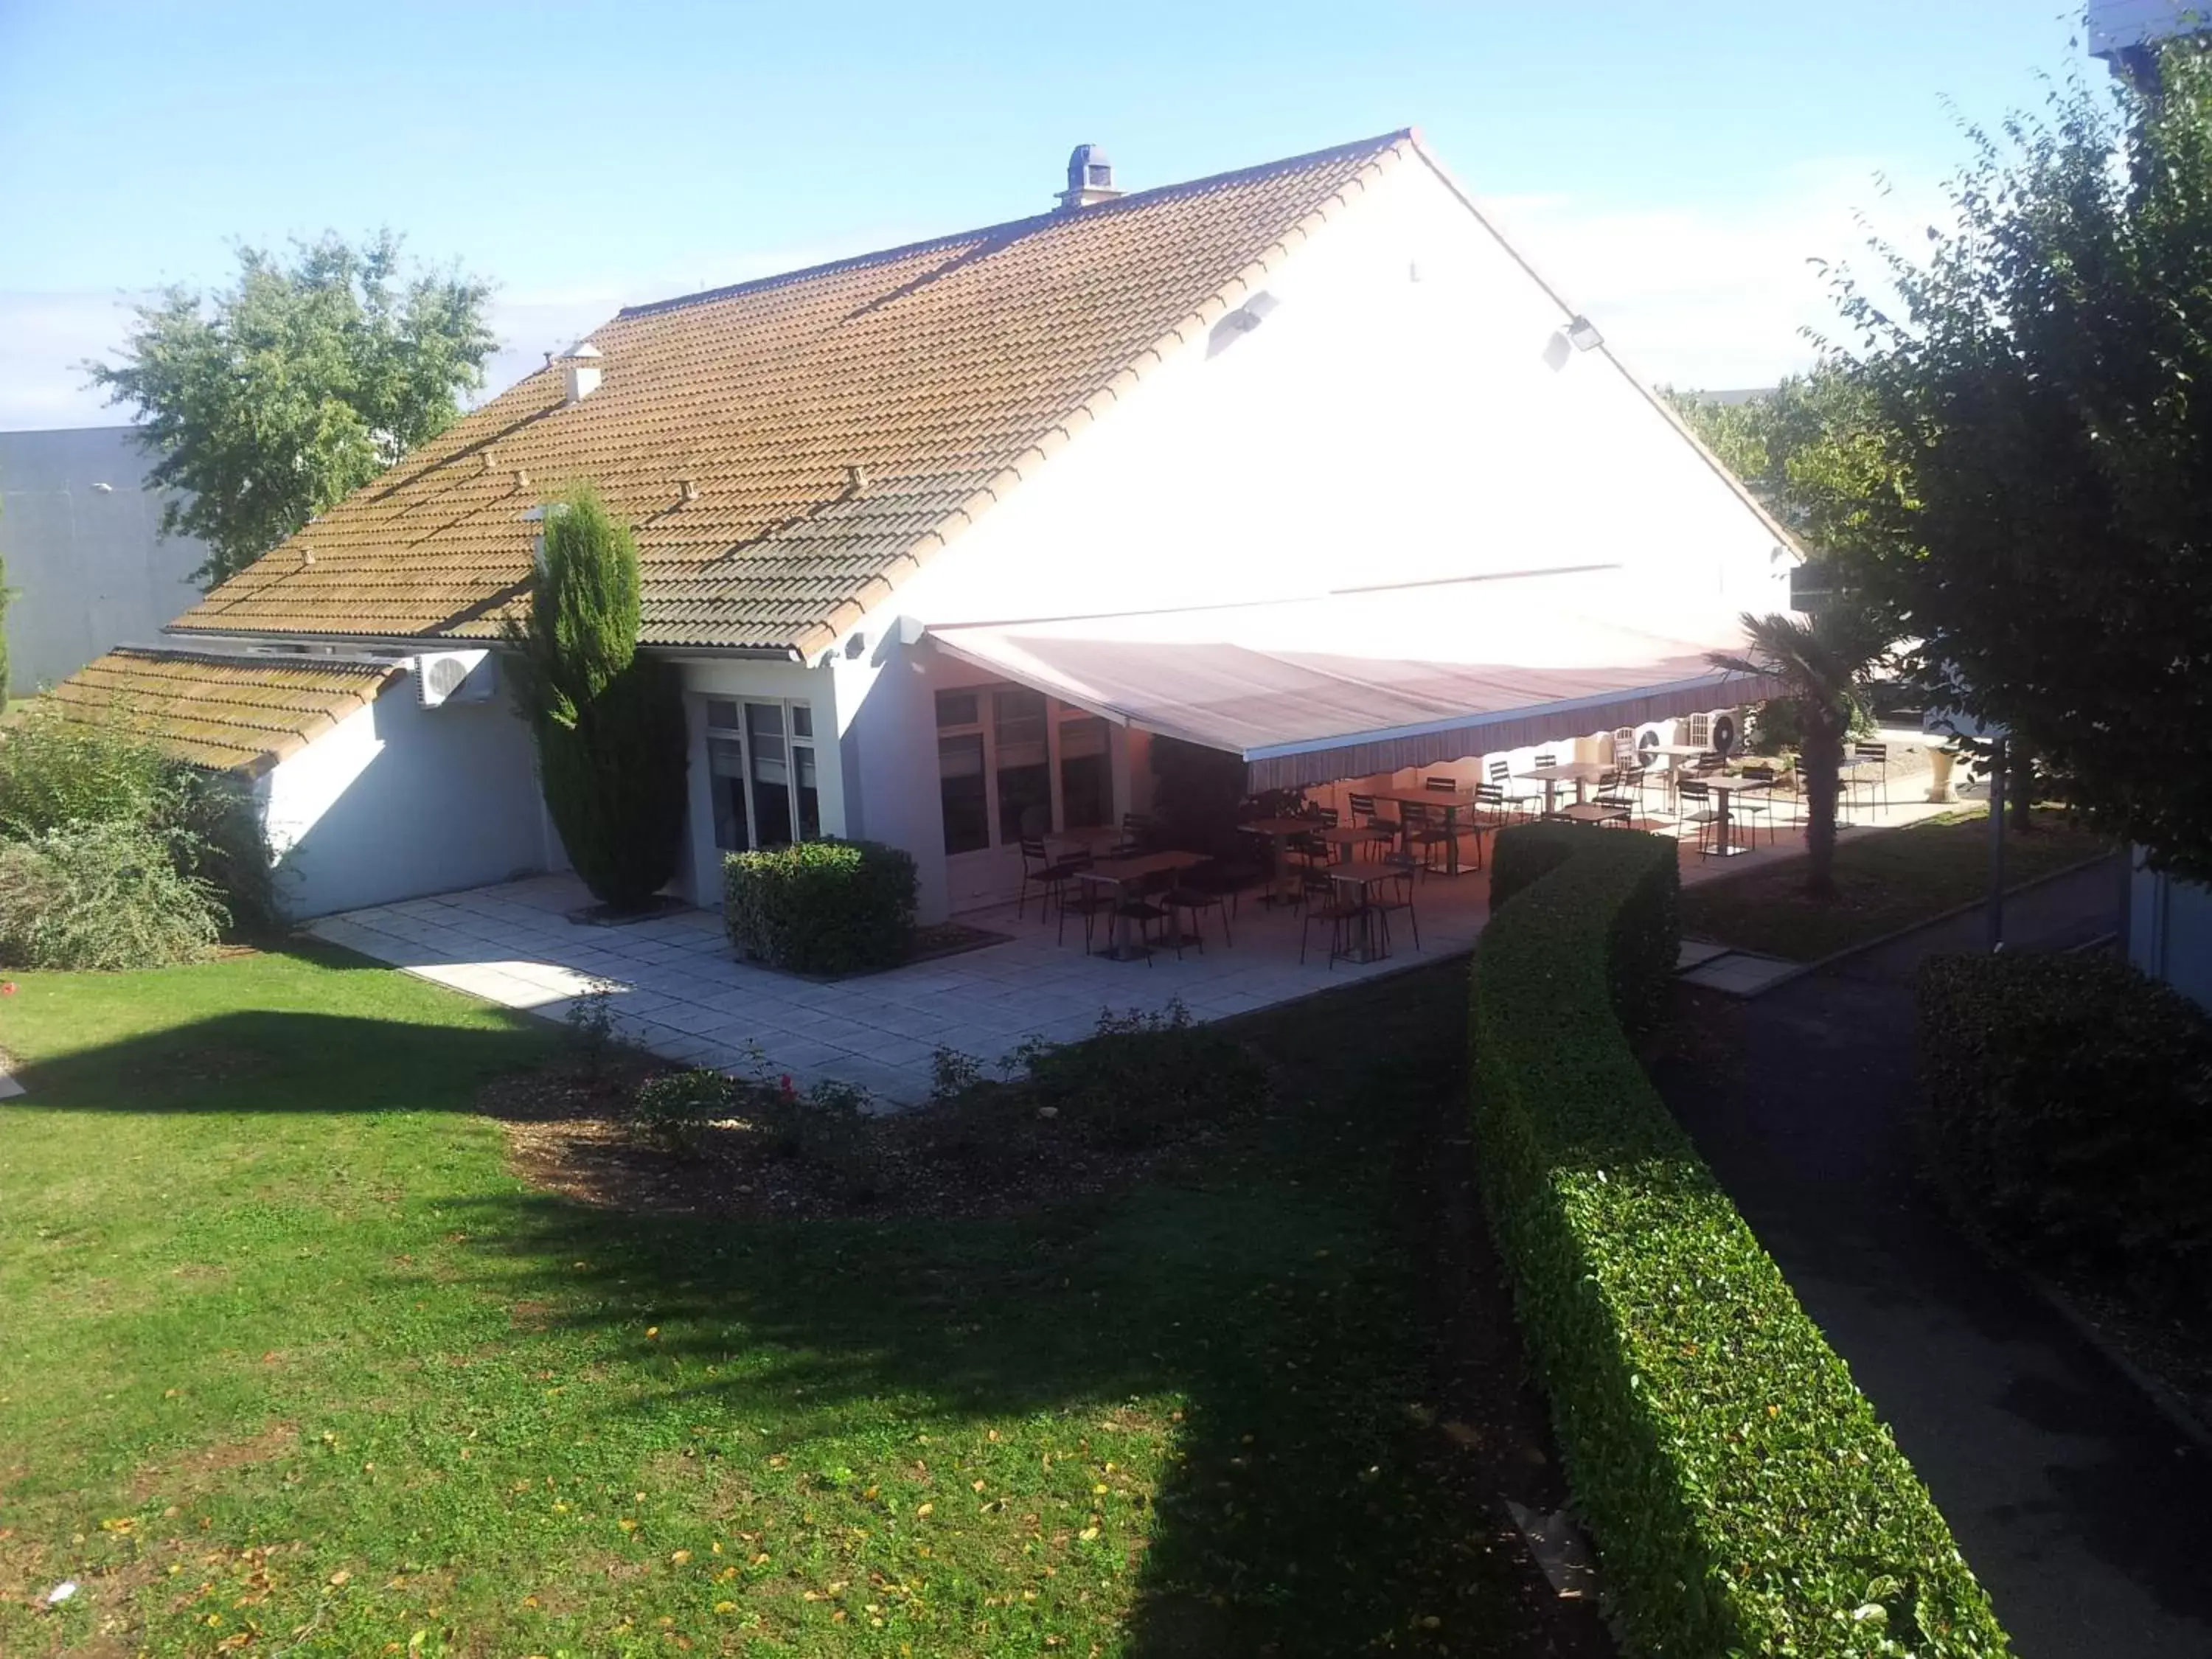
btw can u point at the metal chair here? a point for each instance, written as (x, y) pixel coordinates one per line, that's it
(1612, 796)
(1190, 897)
(1319, 901)
(1755, 809)
(1522, 801)
(1420, 830)
(1868, 768)
(1090, 900)
(1040, 869)
(1139, 832)
(1399, 896)
(1696, 807)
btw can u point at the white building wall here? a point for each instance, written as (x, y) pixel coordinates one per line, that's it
(2170, 932)
(739, 678)
(1407, 410)
(399, 800)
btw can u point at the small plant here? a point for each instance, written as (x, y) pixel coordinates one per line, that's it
(1140, 1076)
(591, 1034)
(951, 1074)
(675, 1111)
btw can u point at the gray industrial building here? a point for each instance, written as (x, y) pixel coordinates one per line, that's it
(81, 537)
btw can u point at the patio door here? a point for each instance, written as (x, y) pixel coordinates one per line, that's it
(1012, 761)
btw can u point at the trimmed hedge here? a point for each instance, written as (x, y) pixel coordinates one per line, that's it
(821, 907)
(2067, 1112)
(1743, 1496)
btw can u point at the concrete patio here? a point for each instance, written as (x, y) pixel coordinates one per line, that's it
(676, 988)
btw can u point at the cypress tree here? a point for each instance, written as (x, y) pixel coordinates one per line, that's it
(608, 721)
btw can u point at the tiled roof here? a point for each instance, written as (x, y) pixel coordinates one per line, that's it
(229, 713)
(942, 369)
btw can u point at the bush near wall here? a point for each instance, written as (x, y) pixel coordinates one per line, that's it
(821, 907)
(1743, 1496)
(2067, 1112)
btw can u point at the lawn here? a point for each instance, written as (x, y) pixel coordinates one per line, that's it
(293, 1363)
(1886, 880)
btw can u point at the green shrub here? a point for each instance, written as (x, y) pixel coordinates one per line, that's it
(1743, 1496)
(2067, 1111)
(59, 775)
(821, 907)
(1140, 1076)
(673, 1111)
(101, 895)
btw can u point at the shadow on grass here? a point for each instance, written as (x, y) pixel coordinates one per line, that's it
(1279, 1280)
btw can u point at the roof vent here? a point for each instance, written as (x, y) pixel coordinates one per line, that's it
(1090, 178)
(581, 364)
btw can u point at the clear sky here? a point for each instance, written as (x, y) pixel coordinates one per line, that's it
(1670, 167)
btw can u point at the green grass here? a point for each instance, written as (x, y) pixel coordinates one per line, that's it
(1884, 881)
(289, 1355)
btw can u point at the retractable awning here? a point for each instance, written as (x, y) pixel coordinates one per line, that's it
(1361, 681)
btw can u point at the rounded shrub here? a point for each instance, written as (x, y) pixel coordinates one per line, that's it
(821, 907)
(103, 895)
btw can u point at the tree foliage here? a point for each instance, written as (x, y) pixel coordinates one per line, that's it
(1824, 660)
(268, 402)
(609, 722)
(2037, 392)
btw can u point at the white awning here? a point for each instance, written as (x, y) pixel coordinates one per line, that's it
(1361, 682)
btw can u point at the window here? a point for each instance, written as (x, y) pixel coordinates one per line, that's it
(1023, 763)
(1701, 731)
(1011, 761)
(1086, 772)
(761, 769)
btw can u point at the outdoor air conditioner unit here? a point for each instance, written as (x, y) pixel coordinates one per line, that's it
(444, 676)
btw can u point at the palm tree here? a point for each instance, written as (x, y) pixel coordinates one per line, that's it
(1823, 662)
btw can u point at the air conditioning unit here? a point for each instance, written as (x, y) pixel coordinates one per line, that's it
(444, 676)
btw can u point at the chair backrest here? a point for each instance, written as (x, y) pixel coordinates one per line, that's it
(1692, 790)
(1500, 771)
(1033, 847)
(1709, 763)
(1609, 778)
(1873, 751)
(1327, 816)
(1547, 760)
(1489, 794)
(1441, 786)
(1363, 807)
(1317, 881)
(1760, 774)
(1413, 814)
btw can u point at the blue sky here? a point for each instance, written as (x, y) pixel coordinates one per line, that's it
(1671, 168)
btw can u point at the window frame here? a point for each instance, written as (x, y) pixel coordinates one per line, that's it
(1057, 713)
(741, 734)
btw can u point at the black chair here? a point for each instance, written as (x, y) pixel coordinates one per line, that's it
(1397, 895)
(1696, 808)
(1441, 786)
(1363, 808)
(1041, 870)
(1757, 808)
(1138, 834)
(1524, 802)
(1613, 798)
(1139, 901)
(1422, 833)
(1869, 769)
(1319, 902)
(1090, 900)
(1191, 895)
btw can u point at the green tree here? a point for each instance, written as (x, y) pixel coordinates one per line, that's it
(2035, 377)
(1824, 662)
(268, 402)
(608, 720)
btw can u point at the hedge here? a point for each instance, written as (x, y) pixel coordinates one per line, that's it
(821, 907)
(1742, 1495)
(2067, 1112)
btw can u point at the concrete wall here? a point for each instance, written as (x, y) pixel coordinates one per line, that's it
(89, 565)
(2170, 932)
(401, 801)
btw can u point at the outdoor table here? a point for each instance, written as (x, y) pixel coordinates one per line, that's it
(1725, 789)
(1118, 873)
(1363, 877)
(1356, 835)
(1452, 804)
(1279, 832)
(1577, 772)
(1588, 812)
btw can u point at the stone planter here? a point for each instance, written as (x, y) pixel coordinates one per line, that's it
(1940, 761)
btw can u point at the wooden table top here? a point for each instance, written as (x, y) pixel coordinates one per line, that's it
(1353, 834)
(1426, 797)
(1146, 864)
(1567, 772)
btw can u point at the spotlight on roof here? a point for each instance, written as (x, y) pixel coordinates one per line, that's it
(1583, 335)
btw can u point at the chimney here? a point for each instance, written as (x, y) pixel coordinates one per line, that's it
(1090, 178)
(581, 364)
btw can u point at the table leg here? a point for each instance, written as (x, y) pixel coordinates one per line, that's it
(1451, 846)
(1728, 839)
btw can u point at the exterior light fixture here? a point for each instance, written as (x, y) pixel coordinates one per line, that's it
(1583, 335)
